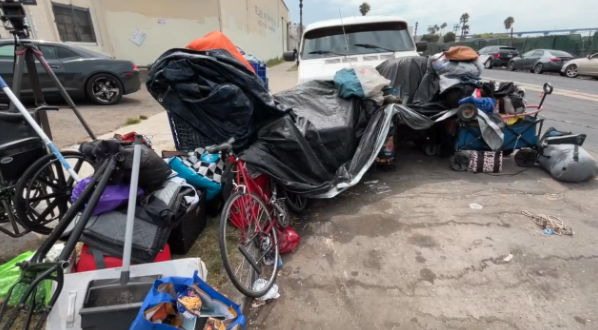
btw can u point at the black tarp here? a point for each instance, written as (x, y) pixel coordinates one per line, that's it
(307, 139)
(213, 93)
(327, 147)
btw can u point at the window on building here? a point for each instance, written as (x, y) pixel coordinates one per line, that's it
(73, 23)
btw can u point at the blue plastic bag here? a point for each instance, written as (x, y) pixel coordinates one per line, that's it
(348, 84)
(155, 297)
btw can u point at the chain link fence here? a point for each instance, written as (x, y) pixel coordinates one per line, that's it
(576, 44)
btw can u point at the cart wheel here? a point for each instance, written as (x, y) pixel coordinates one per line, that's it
(294, 202)
(467, 112)
(431, 149)
(526, 157)
(42, 194)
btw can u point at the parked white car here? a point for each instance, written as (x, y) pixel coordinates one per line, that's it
(331, 45)
(586, 66)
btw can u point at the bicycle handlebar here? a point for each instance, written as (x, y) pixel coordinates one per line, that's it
(226, 146)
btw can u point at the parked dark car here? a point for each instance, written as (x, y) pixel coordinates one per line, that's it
(84, 73)
(540, 60)
(492, 56)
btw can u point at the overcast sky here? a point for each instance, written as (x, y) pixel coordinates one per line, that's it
(486, 16)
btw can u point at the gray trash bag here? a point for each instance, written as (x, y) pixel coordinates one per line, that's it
(568, 162)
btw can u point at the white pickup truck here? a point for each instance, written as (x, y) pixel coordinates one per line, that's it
(331, 45)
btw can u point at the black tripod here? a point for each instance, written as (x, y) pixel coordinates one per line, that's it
(26, 53)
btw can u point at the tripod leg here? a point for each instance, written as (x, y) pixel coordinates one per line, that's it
(42, 116)
(64, 93)
(17, 77)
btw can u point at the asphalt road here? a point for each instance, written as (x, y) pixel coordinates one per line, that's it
(572, 107)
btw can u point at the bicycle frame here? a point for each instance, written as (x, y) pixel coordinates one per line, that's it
(243, 181)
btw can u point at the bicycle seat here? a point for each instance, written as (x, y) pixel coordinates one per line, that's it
(226, 146)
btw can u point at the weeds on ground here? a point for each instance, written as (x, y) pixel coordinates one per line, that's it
(206, 247)
(132, 121)
(274, 61)
(143, 117)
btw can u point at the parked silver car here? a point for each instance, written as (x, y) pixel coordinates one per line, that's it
(540, 60)
(585, 66)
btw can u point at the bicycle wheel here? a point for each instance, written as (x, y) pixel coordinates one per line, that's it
(249, 244)
(42, 194)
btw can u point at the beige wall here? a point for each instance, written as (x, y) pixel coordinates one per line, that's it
(257, 26)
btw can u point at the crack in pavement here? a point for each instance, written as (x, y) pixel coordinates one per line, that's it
(485, 319)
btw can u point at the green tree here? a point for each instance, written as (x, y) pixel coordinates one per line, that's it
(430, 38)
(364, 8)
(449, 37)
(509, 24)
(442, 27)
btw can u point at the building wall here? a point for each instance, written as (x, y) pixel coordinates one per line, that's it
(257, 26)
(141, 30)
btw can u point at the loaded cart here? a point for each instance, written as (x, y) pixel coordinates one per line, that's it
(521, 130)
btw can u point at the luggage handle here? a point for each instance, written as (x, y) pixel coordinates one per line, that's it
(125, 272)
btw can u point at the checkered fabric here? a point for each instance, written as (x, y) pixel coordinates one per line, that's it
(212, 171)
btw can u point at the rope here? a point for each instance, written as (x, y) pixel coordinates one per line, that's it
(549, 222)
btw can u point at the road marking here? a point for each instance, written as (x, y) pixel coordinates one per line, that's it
(557, 91)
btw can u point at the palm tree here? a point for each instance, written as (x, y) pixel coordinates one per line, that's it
(442, 27)
(364, 8)
(509, 24)
(464, 26)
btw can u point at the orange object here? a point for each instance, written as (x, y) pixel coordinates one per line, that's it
(461, 53)
(217, 40)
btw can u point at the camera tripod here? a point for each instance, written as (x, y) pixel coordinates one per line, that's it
(27, 53)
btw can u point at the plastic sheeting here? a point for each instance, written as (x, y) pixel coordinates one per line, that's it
(213, 93)
(329, 146)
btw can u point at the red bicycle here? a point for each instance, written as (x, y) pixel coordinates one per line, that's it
(248, 228)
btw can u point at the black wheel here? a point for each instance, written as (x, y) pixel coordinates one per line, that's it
(511, 66)
(488, 64)
(104, 88)
(42, 194)
(249, 244)
(296, 203)
(571, 71)
(538, 68)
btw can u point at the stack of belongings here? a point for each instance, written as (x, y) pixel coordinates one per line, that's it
(430, 89)
(164, 203)
(308, 139)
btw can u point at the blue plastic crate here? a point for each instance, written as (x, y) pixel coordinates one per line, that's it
(261, 70)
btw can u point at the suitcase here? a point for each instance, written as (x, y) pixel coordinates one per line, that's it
(90, 258)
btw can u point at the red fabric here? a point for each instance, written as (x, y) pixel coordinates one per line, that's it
(217, 40)
(87, 262)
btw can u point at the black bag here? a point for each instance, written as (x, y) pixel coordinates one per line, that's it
(190, 218)
(153, 171)
(191, 222)
(153, 222)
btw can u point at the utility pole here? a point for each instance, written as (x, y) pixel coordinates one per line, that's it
(415, 30)
(300, 19)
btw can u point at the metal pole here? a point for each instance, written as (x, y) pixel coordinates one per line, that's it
(124, 278)
(49, 144)
(300, 20)
(40, 57)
